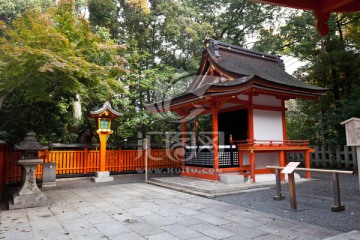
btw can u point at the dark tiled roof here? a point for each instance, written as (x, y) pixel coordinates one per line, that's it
(248, 63)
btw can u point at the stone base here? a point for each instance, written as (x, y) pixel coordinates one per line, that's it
(102, 177)
(338, 208)
(48, 184)
(28, 201)
(231, 178)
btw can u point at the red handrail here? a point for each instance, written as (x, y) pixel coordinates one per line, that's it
(254, 143)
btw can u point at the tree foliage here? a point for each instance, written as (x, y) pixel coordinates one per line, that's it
(333, 63)
(46, 58)
(164, 41)
(50, 53)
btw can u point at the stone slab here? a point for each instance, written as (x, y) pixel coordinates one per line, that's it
(102, 177)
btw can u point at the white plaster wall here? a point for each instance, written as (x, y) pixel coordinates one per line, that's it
(262, 160)
(268, 125)
(266, 100)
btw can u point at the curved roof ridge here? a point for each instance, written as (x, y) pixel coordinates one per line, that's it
(215, 44)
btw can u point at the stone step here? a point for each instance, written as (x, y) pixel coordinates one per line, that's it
(231, 178)
(346, 236)
(205, 188)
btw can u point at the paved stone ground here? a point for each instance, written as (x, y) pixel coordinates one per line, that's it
(83, 210)
(314, 200)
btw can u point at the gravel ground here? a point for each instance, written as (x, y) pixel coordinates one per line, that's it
(314, 202)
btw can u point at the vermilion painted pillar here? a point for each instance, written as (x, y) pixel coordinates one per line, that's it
(252, 165)
(251, 136)
(183, 138)
(250, 119)
(283, 115)
(215, 134)
(307, 163)
(103, 139)
(282, 164)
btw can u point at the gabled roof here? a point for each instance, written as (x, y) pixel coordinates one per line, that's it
(236, 62)
(230, 70)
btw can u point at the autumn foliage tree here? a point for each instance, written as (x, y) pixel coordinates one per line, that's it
(45, 59)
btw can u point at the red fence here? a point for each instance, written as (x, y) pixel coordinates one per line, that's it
(87, 161)
(3, 150)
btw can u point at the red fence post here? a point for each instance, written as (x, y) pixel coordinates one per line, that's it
(85, 157)
(3, 148)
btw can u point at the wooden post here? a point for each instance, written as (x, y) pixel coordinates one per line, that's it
(358, 161)
(307, 163)
(215, 134)
(292, 191)
(252, 166)
(338, 207)
(183, 138)
(85, 160)
(279, 195)
(251, 136)
(283, 118)
(282, 164)
(103, 138)
(2, 169)
(145, 148)
(240, 158)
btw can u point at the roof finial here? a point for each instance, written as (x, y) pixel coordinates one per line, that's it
(280, 62)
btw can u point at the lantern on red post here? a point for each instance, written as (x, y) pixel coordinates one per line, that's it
(104, 117)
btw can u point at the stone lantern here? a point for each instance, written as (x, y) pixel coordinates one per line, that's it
(104, 117)
(29, 194)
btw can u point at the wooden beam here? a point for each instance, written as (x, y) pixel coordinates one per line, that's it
(303, 4)
(332, 5)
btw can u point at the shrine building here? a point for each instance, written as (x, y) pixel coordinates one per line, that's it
(245, 93)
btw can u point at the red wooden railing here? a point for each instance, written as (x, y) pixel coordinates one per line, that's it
(247, 144)
(87, 161)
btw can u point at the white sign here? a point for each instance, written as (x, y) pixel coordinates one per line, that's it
(290, 167)
(352, 127)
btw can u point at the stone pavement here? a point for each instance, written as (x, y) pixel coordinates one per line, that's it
(144, 211)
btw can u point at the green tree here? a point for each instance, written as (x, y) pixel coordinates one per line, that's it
(164, 40)
(45, 59)
(333, 63)
(11, 9)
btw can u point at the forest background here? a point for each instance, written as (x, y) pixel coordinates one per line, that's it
(61, 59)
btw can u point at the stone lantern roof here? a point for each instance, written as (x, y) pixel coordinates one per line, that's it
(30, 143)
(106, 110)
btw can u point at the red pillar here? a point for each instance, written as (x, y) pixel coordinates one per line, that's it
(250, 119)
(307, 163)
(183, 138)
(215, 133)
(252, 165)
(282, 164)
(251, 136)
(283, 111)
(103, 139)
